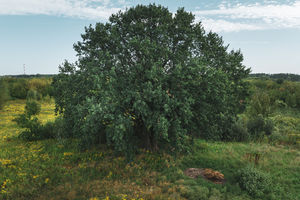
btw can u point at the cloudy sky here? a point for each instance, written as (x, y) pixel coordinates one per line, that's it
(41, 33)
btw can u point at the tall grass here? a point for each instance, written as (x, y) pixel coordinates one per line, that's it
(55, 169)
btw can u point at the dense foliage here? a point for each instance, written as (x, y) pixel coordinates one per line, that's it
(255, 182)
(34, 129)
(271, 94)
(35, 88)
(150, 79)
(268, 101)
(279, 77)
(4, 95)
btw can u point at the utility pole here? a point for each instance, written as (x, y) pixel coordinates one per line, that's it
(24, 68)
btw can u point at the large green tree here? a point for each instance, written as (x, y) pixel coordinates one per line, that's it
(148, 78)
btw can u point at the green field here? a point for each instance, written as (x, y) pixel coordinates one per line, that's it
(155, 108)
(56, 169)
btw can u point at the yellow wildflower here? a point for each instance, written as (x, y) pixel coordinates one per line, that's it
(68, 153)
(21, 174)
(5, 162)
(3, 191)
(94, 198)
(99, 154)
(109, 174)
(5, 183)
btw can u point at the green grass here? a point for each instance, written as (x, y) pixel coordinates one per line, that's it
(55, 169)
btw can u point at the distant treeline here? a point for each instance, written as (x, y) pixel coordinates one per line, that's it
(36, 87)
(283, 76)
(30, 76)
(279, 92)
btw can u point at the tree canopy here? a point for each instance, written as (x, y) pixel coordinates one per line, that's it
(150, 79)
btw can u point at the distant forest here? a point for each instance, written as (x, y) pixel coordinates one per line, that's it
(283, 76)
(30, 76)
(290, 77)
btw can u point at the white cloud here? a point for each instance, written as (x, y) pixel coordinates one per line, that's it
(220, 25)
(89, 9)
(251, 17)
(226, 18)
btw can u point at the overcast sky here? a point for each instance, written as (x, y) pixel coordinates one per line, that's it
(41, 33)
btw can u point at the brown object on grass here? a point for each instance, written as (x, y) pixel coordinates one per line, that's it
(208, 174)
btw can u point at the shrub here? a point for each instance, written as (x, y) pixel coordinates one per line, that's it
(150, 79)
(258, 127)
(41, 85)
(255, 127)
(268, 127)
(291, 100)
(59, 128)
(46, 131)
(39, 132)
(47, 99)
(238, 132)
(33, 95)
(254, 181)
(4, 96)
(275, 138)
(195, 192)
(260, 104)
(279, 81)
(280, 104)
(32, 88)
(34, 129)
(279, 138)
(32, 108)
(18, 88)
(290, 93)
(32, 126)
(215, 194)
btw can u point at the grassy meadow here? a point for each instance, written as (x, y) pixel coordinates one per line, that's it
(56, 169)
(155, 108)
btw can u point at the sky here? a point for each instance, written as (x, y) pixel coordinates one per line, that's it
(39, 34)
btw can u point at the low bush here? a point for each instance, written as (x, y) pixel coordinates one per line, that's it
(254, 181)
(34, 130)
(268, 127)
(287, 128)
(17, 88)
(4, 96)
(258, 127)
(33, 95)
(41, 85)
(238, 132)
(280, 104)
(276, 94)
(255, 127)
(279, 138)
(195, 192)
(32, 88)
(32, 108)
(275, 138)
(260, 104)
